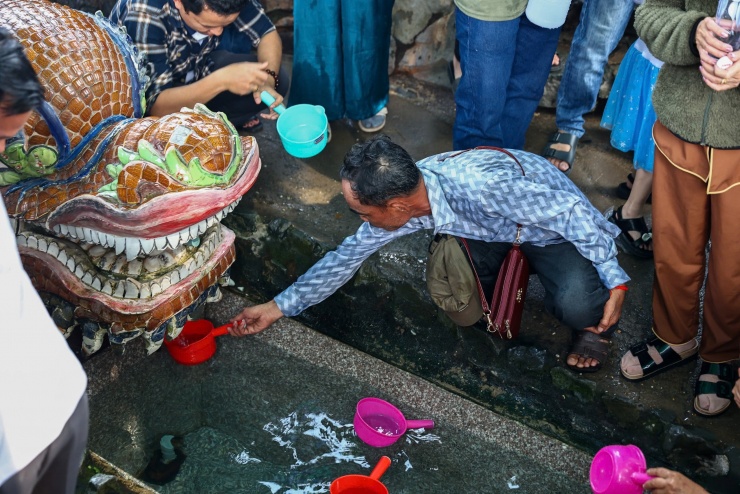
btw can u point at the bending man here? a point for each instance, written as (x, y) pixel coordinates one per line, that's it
(480, 195)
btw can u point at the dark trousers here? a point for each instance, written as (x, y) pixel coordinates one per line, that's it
(574, 293)
(241, 109)
(56, 468)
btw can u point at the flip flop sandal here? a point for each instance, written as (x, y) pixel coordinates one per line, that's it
(567, 156)
(589, 345)
(624, 241)
(253, 126)
(623, 189)
(374, 123)
(727, 375)
(650, 368)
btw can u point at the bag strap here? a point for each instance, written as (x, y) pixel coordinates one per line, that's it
(490, 148)
(483, 302)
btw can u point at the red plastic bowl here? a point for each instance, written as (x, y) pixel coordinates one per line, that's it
(196, 342)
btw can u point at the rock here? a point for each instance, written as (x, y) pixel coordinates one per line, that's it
(427, 59)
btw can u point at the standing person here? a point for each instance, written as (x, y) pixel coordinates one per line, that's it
(600, 28)
(201, 51)
(480, 195)
(505, 60)
(43, 404)
(340, 58)
(630, 115)
(695, 199)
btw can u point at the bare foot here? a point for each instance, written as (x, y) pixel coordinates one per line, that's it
(560, 164)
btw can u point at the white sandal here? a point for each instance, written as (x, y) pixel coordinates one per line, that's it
(374, 123)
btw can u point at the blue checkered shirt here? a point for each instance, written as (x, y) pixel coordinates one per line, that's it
(169, 49)
(482, 195)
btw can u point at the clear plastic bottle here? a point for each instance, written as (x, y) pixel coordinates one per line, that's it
(549, 14)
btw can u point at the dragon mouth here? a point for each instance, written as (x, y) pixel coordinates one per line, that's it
(134, 247)
(108, 269)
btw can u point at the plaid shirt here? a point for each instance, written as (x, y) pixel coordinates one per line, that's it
(480, 195)
(170, 51)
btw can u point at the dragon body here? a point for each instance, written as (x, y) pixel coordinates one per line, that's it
(117, 216)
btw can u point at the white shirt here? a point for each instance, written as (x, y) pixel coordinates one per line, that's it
(41, 381)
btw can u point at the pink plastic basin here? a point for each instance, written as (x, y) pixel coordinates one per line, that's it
(380, 424)
(618, 469)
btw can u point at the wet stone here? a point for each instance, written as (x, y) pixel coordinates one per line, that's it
(568, 381)
(527, 358)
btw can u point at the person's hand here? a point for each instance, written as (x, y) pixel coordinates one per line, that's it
(722, 79)
(612, 312)
(254, 319)
(736, 389)
(670, 482)
(272, 115)
(709, 42)
(244, 77)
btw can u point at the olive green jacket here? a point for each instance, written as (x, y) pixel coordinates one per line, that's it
(682, 101)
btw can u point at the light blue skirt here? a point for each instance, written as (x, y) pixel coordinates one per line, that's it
(629, 110)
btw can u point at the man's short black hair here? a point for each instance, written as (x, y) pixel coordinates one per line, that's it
(20, 89)
(221, 7)
(380, 170)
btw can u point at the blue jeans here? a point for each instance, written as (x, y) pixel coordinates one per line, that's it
(600, 28)
(505, 65)
(574, 293)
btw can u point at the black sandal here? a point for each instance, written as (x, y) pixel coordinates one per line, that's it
(624, 241)
(561, 137)
(624, 190)
(589, 345)
(727, 375)
(650, 368)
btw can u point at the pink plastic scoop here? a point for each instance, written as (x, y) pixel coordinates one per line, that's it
(380, 424)
(618, 469)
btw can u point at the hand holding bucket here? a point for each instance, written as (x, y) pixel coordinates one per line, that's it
(380, 424)
(618, 469)
(362, 484)
(303, 129)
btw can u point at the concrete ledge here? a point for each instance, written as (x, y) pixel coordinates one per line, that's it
(295, 214)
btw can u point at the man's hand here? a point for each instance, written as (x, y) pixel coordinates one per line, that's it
(244, 77)
(736, 390)
(272, 115)
(252, 320)
(670, 482)
(612, 312)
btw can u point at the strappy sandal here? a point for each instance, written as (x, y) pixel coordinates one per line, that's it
(650, 368)
(374, 123)
(629, 245)
(624, 190)
(561, 137)
(589, 345)
(727, 375)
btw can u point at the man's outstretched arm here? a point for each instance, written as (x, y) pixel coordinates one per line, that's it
(254, 319)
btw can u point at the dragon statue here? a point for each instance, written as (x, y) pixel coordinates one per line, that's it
(117, 216)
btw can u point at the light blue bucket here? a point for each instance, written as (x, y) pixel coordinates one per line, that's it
(303, 129)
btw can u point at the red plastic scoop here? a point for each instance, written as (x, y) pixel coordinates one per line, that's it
(196, 342)
(362, 484)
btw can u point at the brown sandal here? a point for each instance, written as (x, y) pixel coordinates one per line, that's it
(589, 345)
